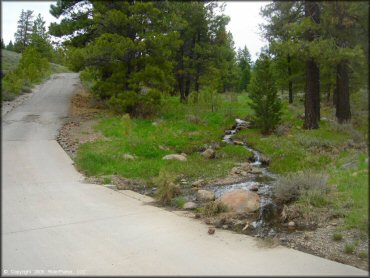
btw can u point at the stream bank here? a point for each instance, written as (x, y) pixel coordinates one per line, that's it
(318, 242)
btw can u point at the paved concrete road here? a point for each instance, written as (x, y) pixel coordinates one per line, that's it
(54, 224)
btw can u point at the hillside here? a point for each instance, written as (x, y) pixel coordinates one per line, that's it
(17, 84)
(9, 60)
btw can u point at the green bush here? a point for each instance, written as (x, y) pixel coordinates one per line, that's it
(214, 208)
(167, 189)
(309, 186)
(32, 68)
(263, 93)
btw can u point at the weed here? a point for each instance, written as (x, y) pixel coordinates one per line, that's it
(214, 208)
(337, 236)
(166, 188)
(349, 248)
(311, 186)
(363, 254)
(179, 202)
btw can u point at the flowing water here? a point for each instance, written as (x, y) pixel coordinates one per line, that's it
(263, 225)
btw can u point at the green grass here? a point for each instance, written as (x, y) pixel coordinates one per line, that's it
(181, 128)
(325, 150)
(178, 128)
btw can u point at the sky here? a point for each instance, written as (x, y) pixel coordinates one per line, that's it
(243, 25)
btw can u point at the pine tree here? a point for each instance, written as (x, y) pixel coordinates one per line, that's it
(24, 31)
(2, 44)
(10, 46)
(244, 62)
(312, 96)
(263, 93)
(40, 39)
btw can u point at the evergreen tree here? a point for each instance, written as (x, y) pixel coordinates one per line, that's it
(2, 44)
(312, 96)
(10, 46)
(263, 93)
(24, 31)
(244, 62)
(40, 39)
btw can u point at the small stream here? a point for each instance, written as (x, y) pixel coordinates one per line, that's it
(263, 225)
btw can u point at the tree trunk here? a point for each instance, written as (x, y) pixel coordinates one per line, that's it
(328, 93)
(311, 119)
(343, 110)
(290, 81)
(180, 76)
(312, 96)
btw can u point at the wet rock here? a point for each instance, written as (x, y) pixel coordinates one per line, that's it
(253, 188)
(178, 157)
(128, 156)
(241, 201)
(238, 142)
(190, 205)
(256, 170)
(265, 161)
(198, 183)
(205, 196)
(209, 154)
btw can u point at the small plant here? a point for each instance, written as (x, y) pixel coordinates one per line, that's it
(167, 189)
(363, 254)
(337, 236)
(179, 202)
(349, 248)
(214, 208)
(295, 185)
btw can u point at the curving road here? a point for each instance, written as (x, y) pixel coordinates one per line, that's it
(53, 224)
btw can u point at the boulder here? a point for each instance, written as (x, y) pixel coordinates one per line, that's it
(198, 183)
(209, 153)
(256, 170)
(175, 157)
(240, 201)
(128, 156)
(237, 142)
(124, 184)
(246, 167)
(265, 161)
(235, 171)
(205, 196)
(190, 205)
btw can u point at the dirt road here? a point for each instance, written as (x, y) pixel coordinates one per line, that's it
(52, 223)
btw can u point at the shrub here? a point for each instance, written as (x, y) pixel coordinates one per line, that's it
(263, 93)
(167, 189)
(313, 142)
(307, 184)
(349, 248)
(214, 208)
(179, 202)
(337, 236)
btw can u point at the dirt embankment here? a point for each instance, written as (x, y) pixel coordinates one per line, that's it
(78, 129)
